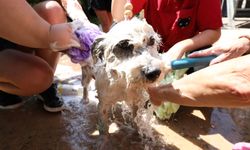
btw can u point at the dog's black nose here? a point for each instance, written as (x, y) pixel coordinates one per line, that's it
(151, 73)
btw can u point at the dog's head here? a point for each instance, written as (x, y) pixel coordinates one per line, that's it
(130, 51)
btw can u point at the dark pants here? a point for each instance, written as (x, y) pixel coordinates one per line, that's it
(101, 4)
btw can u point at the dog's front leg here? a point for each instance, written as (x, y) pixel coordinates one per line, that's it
(86, 78)
(103, 114)
(134, 98)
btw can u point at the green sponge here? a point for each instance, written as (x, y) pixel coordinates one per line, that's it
(165, 110)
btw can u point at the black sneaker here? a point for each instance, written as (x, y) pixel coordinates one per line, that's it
(9, 101)
(52, 102)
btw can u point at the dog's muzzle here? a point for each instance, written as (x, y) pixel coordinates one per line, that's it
(151, 73)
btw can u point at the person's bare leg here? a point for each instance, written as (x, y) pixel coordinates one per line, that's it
(26, 74)
(23, 74)
(52, 12)
(22, 25)
(105, 19)
(110, 17)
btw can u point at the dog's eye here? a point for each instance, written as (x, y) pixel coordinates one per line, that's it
(123, 49)
(124, 44)
(151, 41)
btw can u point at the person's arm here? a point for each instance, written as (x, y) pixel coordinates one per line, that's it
(25, 27)
(204, 38)
(74, 10)
(22, 25)
(117, 10)
(226, 84)
(226, 50)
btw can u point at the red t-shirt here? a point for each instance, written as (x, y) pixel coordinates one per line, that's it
(176, 20)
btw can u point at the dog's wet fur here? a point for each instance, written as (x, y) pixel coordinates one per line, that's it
(125, 62)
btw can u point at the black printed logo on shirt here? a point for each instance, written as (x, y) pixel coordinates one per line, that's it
(184, 22)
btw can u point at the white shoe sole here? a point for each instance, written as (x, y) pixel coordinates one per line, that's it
(49, 109)
(12, 106)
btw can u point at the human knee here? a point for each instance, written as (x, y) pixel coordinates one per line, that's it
(41, 79)
(51, 11)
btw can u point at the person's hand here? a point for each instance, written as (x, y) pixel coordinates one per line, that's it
(154, 94)
(176, 51)
(224, 51)
(128, 13)
(167, 67)
(61, 37)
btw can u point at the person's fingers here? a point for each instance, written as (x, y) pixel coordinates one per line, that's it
(202, 53)
(226, 56)
(155, 102)
(152, 91)
(74, 43)
(55, 46)
(167, 67)
(62, 37)
(128, 14)
(220, 58)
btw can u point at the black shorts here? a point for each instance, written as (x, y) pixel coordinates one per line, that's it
(5, 44)
(101, 4)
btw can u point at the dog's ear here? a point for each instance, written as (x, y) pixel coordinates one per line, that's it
(98, 49)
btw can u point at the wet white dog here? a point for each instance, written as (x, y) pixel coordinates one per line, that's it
(125, 62)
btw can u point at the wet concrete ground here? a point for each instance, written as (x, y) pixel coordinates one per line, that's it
(30, 127)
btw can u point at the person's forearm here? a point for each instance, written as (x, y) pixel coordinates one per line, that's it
(117, 9)
(22, 25)
(205, 38)
(74, 10)
(223, 85)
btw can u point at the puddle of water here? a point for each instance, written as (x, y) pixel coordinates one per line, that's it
(196, 128)
(30, 127)
(81, 123)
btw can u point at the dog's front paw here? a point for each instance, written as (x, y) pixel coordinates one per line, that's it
(85, 100)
